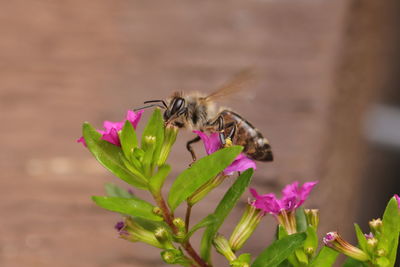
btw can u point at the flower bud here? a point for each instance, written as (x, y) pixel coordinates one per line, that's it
(170, 134)
(222, 246)
(246, 226)
(372, 243)
(381, 252)
(149, 145)
(336, 242)
(175, 256)
(205, 189)
(376, 226)
(164, 237)
(312, 217)
(309, 251)
(158, 211)
(131, 231)
(181, 226)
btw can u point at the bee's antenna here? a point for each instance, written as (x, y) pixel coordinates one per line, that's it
(156, 101)
(149, 106)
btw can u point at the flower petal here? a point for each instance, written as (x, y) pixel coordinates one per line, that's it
(305, 191)
(134, 117)
(241, 163)
(82, 140)
(291, 189)
(211, 143)
(112, 137)
(267, 203)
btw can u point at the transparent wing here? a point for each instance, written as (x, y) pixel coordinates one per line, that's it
(236, 84)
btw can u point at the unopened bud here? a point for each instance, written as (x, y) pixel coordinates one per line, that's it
(175, 256)
(181, 226)
(312, 217)
(178, 222)
(336, 242)
(246, 226)
(164, 237)
(381, 252)
(205, 189)
(376, 226)
(170, 134)
(131, 231)
(222, 246)
(372, 242)
(157, 211)
(309, 251)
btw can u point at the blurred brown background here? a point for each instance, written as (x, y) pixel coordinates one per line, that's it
(328, 73)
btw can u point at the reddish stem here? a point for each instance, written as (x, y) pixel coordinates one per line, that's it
(169, 217)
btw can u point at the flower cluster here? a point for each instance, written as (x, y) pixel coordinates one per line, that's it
(111, 129)
(283, 209)
(143, 165)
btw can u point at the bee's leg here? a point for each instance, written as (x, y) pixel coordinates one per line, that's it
(232, 132)
(219, 123)
(190, 148)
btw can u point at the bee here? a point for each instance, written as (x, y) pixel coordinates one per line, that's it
(195, 111)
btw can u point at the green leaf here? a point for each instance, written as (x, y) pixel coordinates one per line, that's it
(210, 219)
(115, 191)
(130, 206)
(301, 221)
(278, 251)
(301, 257)
(150, 225)
(109, 156)
(199, 173)
(222, 211)
(325, 258)
(156, 181)
(243, 258)
(362, 241)
(383, 262)
(155, 127)
(350, 262)
(128, 139)
(285, 263)
(389, 238)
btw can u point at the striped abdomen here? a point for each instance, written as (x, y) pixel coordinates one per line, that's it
(255, 145)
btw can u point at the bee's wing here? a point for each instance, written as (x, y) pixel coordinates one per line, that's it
(233, 86)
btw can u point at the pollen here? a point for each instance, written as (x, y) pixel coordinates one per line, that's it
(228, 142)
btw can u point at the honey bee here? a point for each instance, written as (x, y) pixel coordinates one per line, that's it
(200, 112)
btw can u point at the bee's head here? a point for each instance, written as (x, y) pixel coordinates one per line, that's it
(175, 110)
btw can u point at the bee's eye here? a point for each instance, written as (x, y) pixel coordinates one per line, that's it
(177, 105)
(166, 114)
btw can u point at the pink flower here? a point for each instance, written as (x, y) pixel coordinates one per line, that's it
(111, 129)
(293, 197)
(212, 143)
(284, 209)
(398, 199)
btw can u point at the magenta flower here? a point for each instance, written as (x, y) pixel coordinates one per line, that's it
(111, 129)
(293, 197)
(398, 199)
(212, 144)
(283, 209)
